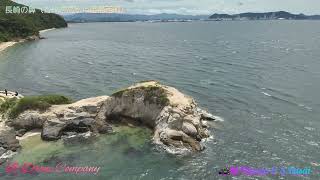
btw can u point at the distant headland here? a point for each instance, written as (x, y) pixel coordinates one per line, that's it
(17, 24)
(279, 15)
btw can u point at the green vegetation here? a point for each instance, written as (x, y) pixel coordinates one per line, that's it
(8, 104)
(119, 93)
(155, 94)
(152, 94)
(17, 26)
(14, 107)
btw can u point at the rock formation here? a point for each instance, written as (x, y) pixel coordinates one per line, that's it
(178, 123)
(176, 119)
(8, 142)
(58, 119)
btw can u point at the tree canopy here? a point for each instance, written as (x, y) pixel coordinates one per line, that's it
(14, 26)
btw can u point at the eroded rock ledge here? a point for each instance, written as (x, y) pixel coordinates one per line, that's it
(178, 123)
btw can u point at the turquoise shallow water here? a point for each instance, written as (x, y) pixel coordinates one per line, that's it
(261, 77)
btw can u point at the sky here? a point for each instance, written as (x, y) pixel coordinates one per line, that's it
(192, 7)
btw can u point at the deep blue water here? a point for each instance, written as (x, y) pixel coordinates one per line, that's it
(261, 77)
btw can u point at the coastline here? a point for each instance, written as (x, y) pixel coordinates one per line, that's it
(5, 45)
(45, 30)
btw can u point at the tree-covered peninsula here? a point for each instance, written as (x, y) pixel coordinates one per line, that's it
(15, 26)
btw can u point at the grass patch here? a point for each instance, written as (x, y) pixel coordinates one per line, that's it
(7, 105)
(119, 93)
(1, 101)
(146, 81)
(14, 107)
(152, 94)
(156, 95)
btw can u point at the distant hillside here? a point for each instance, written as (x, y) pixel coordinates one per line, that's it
(315, 17)
(14, 26)
(264, 16)
(105, 17)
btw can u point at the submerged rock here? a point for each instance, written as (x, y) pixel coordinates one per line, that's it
(70, 138)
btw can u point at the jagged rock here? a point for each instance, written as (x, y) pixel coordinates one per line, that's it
(52, 129)
(21, 132)
(189, 129)
(206, 116)
(8, 140)
(2, 150)
(29, 120)
(78, 117)
(175, 117)
(205, 124)
(80, 125)
(70, 133)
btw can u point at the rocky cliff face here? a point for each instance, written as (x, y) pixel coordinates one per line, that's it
(177, 121)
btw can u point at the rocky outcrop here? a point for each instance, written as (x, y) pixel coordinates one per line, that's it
(9, 145)
(176, 119)
(60, 119)
(8, 140)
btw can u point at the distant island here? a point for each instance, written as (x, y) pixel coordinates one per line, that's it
(164, 17)
(114, 17)
(280, 15)
(14, 26)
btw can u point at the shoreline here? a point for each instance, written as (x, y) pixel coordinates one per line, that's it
(5, 45)
(45, 30)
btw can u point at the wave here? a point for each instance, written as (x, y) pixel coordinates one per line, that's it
(266, 94)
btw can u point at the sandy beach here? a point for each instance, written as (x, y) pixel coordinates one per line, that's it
(45, 30)
(5, 45)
